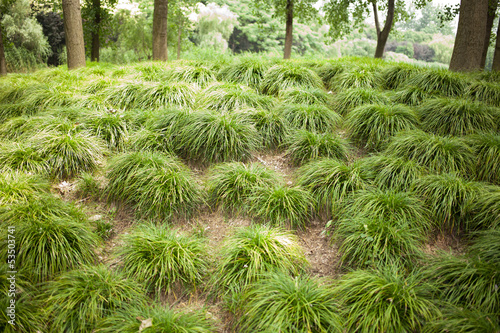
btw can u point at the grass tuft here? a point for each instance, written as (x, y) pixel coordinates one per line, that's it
(486, 148)
(411, 95)
(288, 75)
(394, 76)
(348, 99)
(486, 92)
(272, 127)
(22, 157)
(356, 77)
(110, 125)
(200, 75)
(313, 118)
(248, 70)
(305, 95)
(229, 97)
(440, 81)
(21, 187)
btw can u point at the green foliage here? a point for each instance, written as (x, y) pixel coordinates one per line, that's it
(288, 75)
(348, 99)
(411, 95)
(200, 75)
(157, 185)
(385, 300)
(487, 92)
(160, 257)
(282, 205)
(437, 153)
(147, 139)
(20, 187)
(281, 303)
(230, 184)
(440, 81)
(229, 97)
(163, 320)
(313, 118)
(303, 146)
(305, 95)
(271, 125)
(211, 137)
(87, 186)
(464, 320)
(487, 207)
(449, 198)
(77, 300)
(252, 251)
(394, 76)
(328, 71)
(246, 70)
(109, 125)
(330, 180)
(486, 148)
(373, 125)
(356, 77)
(447, 116)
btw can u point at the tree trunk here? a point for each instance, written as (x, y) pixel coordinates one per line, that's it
(469, 42)
(3, 62)
(73, 31)
(179, 37)
(160, 15)
(383, 35)
(492, 8)
(496, 56)
(288, 29)
(96, 44)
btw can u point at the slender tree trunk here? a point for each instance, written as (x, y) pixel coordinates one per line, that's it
(160, 14)
(3, 62)
(96, 43)
(73, 31)
(383, 35)
(496, 56)
(492, 8)
(289, 29)
(469, 42)
(179, 39)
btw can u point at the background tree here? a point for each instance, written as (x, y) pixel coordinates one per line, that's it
(160, 30)
(97, 16)
(180, 17)
(53, 28)
(73, 31)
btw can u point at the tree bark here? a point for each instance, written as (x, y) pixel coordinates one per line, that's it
(288, 29)
(96, 43)
(469, 42)
(492, 8)
(179, 39)
(160, 15)
(73, 31)
(383, 35)
(496, 56)
(3, 62)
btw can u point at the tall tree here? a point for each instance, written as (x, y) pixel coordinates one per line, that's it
(97, 19)
(3, 62)
(470, 39)
(492, 8)
(496, 56)
(73, 31)
(160, 30)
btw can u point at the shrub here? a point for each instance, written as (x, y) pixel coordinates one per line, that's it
(440, 81)
(330, 180)
(109, 125)
(438, 153)
(210, 137)
(271, 125)
(305, 95)
(230, 184)
(194, 74)
(412, 95)
(157, 185)
(79, 299)
(281, 303)
(248, 70)
(21, 187)
(394, 76)
(229, 97)
(357, 77)
(486, 149)
(313, 118)
(303, 146)
(373, 125)
(348, 99)
(385, 300)
(287, 75)
(22, 157)
(446, 116)
(252, 251)
(161, 257)
(282, 205)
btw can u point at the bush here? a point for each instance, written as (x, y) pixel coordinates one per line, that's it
(437, 153)
(440, 81)
(230, 184)
(486, 149)
(305, 95)
(303, 146)
(385, 300)
(78, 300)
(288, 75)
(272, 127)
(373, 125)
(281, 303)
(282, 205)
(446, 116)
(252, 251)
(160, 258)
(229, 97)
(348, 99)
(313, 118)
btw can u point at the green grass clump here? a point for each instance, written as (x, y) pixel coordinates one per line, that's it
(447, 116)
(252, 251)
(328, 71)
(440, 81)
(357, 77)
(271, 125)
(487, 207)
(281, 303)
(330, 180)
(211, 137)
(78, 300)
(449, 197)
(348, 99)
(229, 97)
(385, 300)
(394, 76)
(163, 320)
(288, 75)
(486, 92)
(486, 148)
(247, 70)
(371, 241)
(373, 125)
(303, 146)
(200, 75)
(437, 153)
(230, 184)
(87, 186)
(22, 157)
(21, 187)
(160, 257)
(149, 139)
(411, 95)
(313, 118)
(282, 205)
(155, 184)
(110, 125)
(464, 320)
(305, 95)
